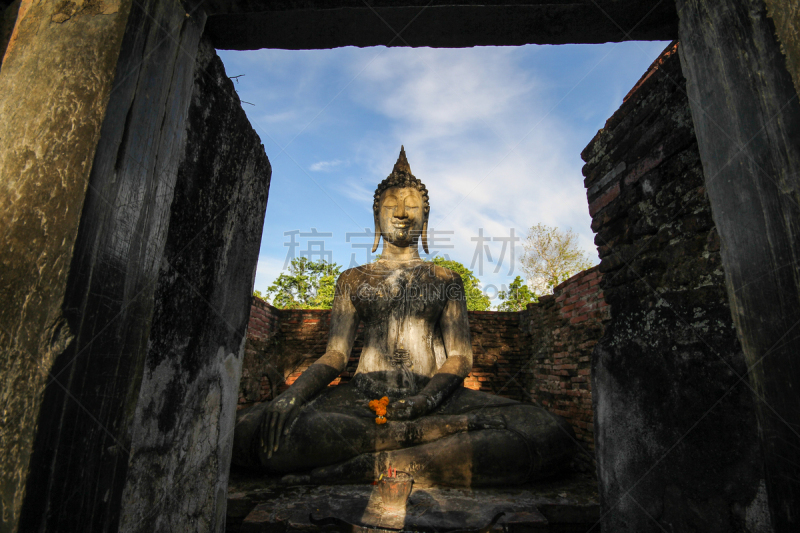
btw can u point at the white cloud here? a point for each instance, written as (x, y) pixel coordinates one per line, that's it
(356, 190)
(439, 91)
(326, 166)
(285, 117)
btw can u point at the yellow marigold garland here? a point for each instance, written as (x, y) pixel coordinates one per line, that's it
(379, 406)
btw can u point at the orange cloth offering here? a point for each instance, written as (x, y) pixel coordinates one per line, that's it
(379, 406)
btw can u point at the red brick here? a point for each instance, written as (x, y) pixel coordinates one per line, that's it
(582, 288)
(578, 319)
(604, 200)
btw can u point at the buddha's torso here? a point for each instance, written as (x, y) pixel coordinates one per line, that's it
(400, 305)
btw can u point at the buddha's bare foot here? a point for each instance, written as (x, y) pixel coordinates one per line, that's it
(484, 420)
(296, 479)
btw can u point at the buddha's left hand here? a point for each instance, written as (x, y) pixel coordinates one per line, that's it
(407, 408)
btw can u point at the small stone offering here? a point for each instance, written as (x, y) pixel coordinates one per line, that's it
(395, 488)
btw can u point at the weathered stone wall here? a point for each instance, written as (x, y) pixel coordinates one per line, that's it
(675, 426)
(260, 374)
(500, 352)
(540, 355)
(183, 424)
(281, 344)
(50, 127)
(118, 218)
(305, 337)
(746, 114)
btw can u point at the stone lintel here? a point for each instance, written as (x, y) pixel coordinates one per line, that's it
(441, 24)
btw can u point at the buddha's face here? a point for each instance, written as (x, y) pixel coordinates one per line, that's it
(401, 215)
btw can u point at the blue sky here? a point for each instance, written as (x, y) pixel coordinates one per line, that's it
(495, 133)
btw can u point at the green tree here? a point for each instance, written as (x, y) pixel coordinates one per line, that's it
(308, 285)
(551, 256)
(258, 294)
(476, 299)
(516, 297)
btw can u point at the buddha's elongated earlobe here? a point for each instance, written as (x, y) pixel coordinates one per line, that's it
(424, 237)
(377, 240)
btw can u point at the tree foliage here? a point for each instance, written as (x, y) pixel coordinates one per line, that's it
(476, 299)
(308, 285)
(552, 256)
(517, 297)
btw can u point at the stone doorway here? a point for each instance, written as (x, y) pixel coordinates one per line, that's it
(99, 279)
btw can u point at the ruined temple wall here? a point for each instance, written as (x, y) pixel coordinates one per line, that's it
(675, 429)
(500, 353)
(563, 330)
(264, 321)
(281, 344)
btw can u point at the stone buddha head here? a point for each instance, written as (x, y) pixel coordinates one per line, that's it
(401, 208)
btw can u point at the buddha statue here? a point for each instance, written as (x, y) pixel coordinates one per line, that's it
(416, 353)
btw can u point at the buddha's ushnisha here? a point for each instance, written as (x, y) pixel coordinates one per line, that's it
(416, 352)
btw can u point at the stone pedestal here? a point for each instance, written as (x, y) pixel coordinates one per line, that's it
(258, 505)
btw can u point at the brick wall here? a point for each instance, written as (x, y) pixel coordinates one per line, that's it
(305, 337)
(259, 368)
(564, 329)
(540, 355)
(263, 321)
(499, 353)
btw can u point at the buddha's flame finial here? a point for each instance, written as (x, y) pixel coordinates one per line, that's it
(402, 163)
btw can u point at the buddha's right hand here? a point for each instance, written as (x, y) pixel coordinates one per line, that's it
(280, 414)
(278, 419)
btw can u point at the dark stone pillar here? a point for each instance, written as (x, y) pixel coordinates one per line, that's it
(183, 427)
(119, 214)
(747, 118)
(57, 77)
(80, 456)
(675, 424)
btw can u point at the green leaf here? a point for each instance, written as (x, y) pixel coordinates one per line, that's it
(307, 285)
(517, 297)
(476, 299)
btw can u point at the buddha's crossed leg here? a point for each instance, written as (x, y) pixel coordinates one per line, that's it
(531, 444)
(498, 443)
(487, 457)
(321, 438)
